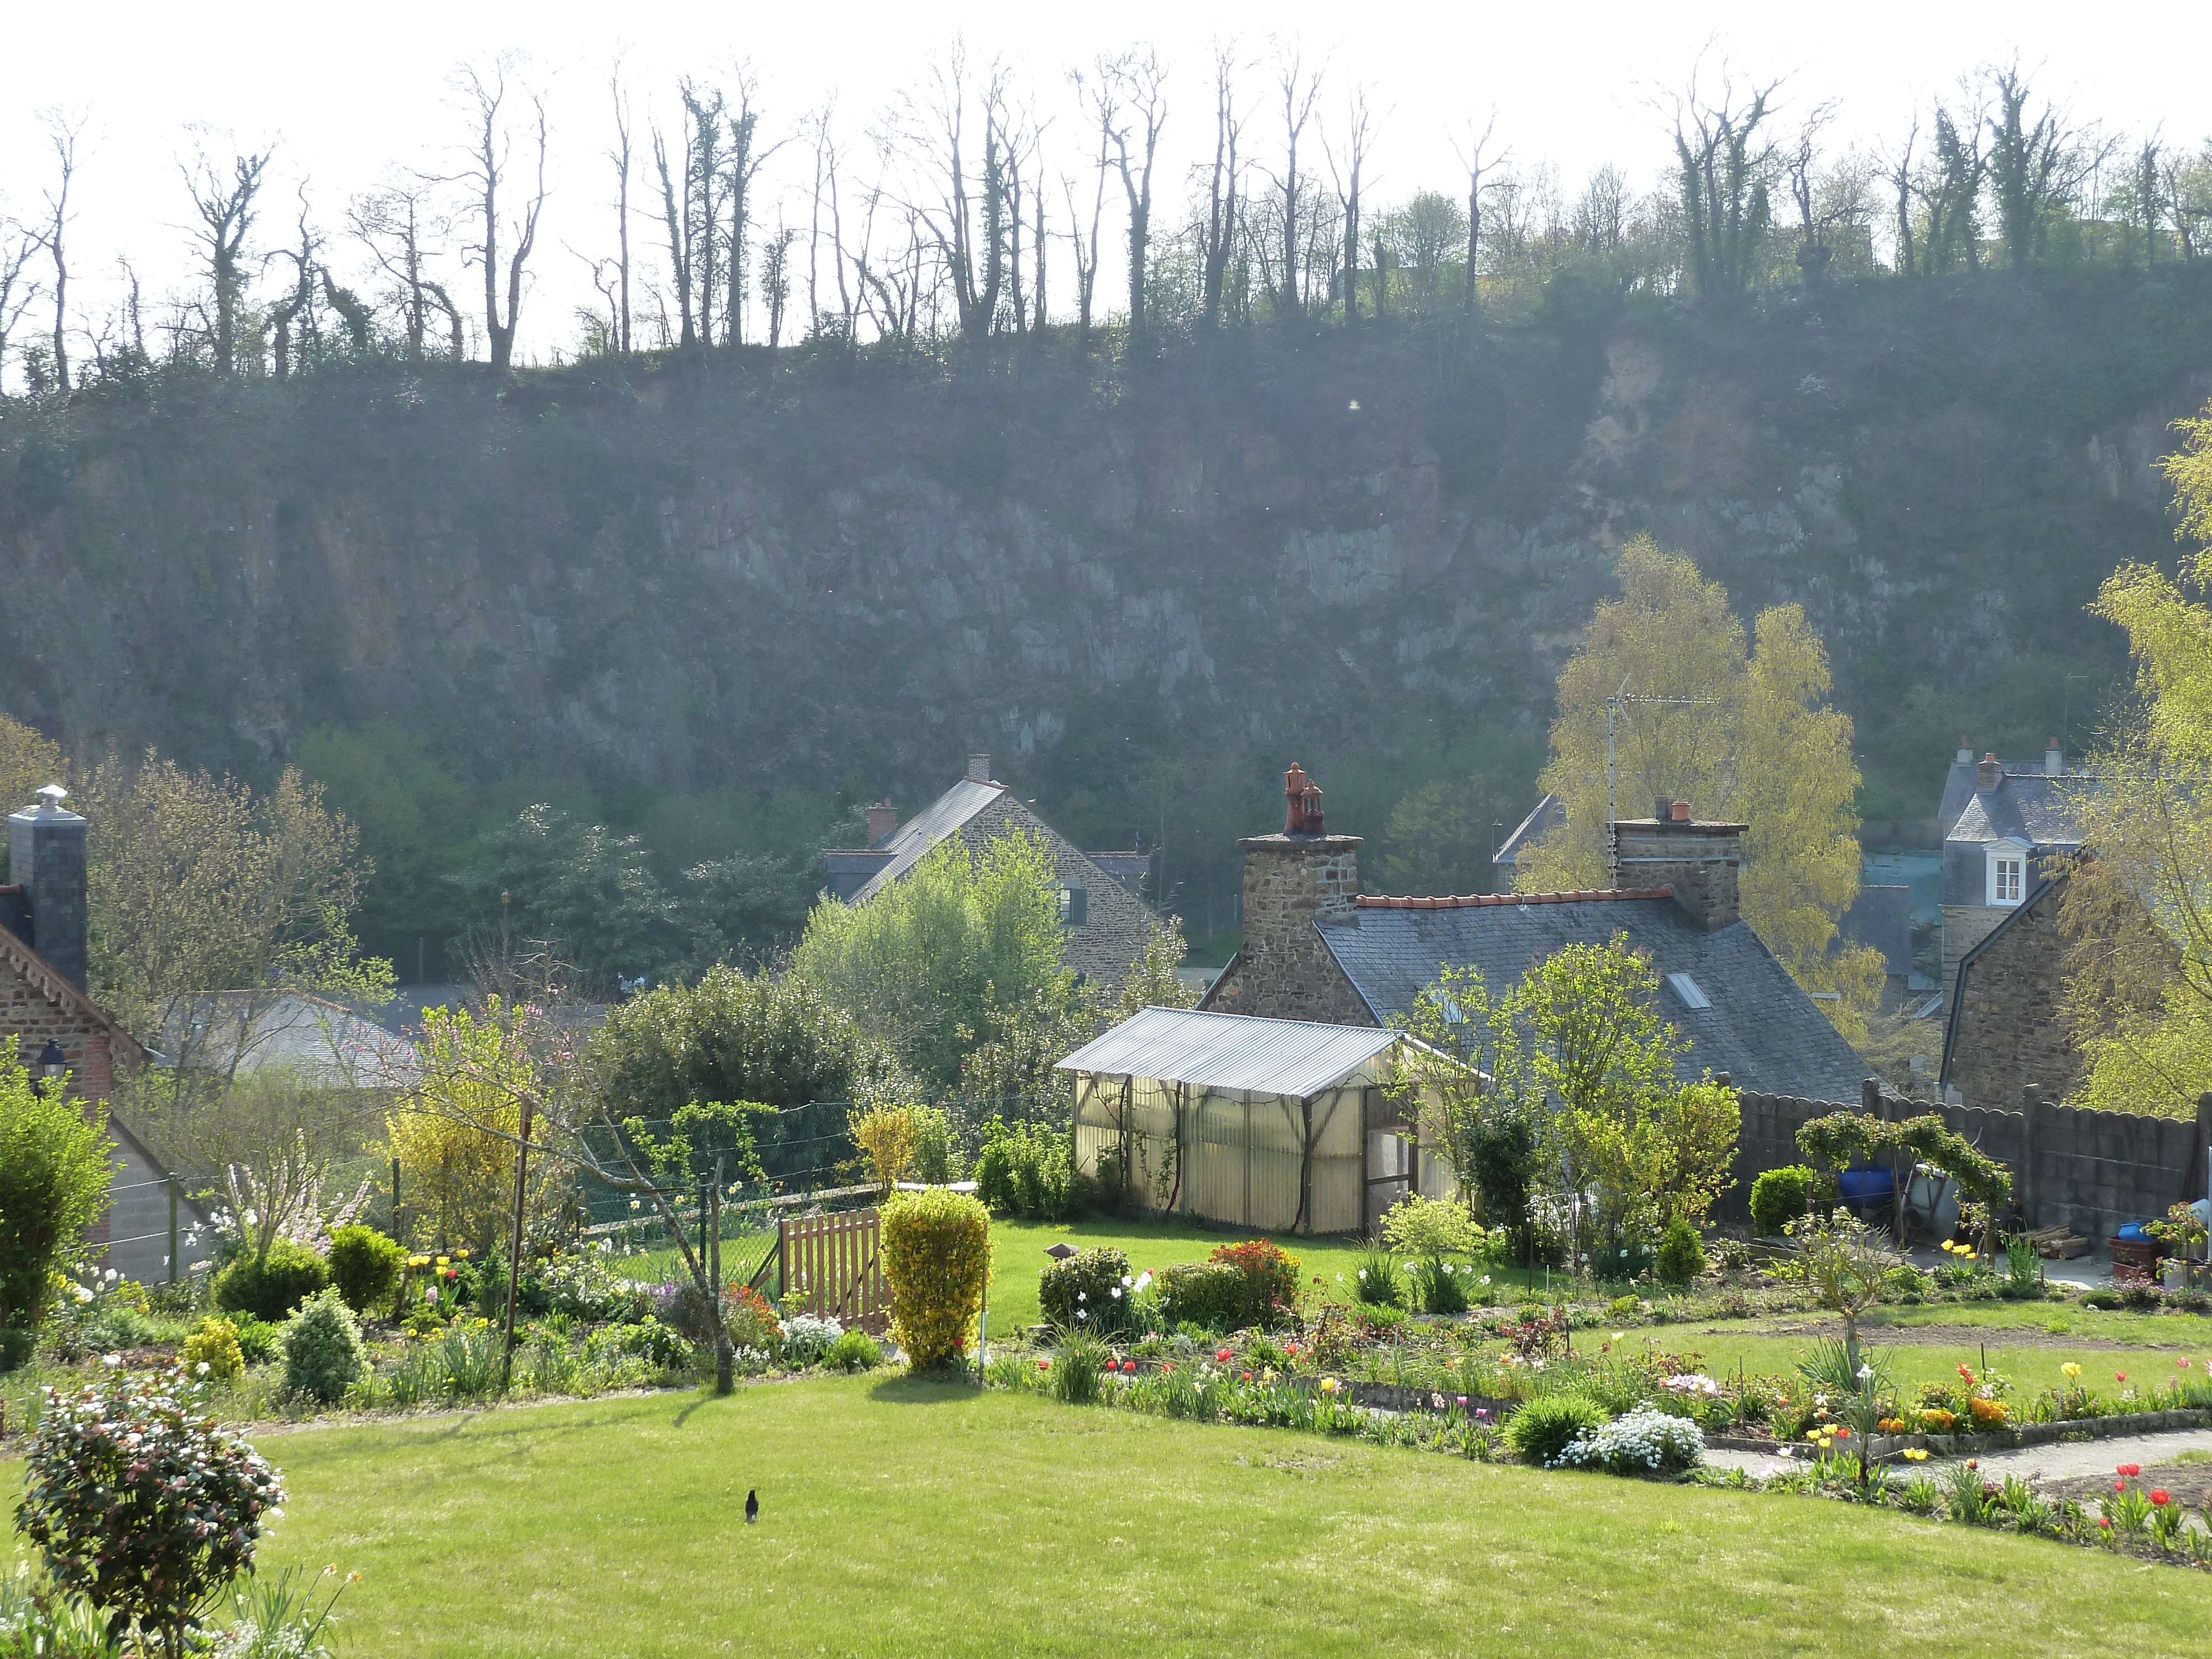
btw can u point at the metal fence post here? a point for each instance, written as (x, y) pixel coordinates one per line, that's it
(395, 1196)
(170, 1183)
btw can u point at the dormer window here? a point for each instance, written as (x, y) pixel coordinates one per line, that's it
(2008, 874)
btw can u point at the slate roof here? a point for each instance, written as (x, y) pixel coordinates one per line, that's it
(1764, 1031)
(2027, 806)
(1882, 917)
(1550, 813)
(943, 816)
(1295, 1057)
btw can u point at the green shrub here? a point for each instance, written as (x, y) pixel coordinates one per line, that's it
(937, 1257)
(1681, 1253)
(1541, 1430)
(53, 1186)
(855, 1351)
(215, 1345)
(1205, 1294)
(365, 1266)
(1778, 1198)
(661, 1346)
(323, 1352)
(1089, 1289)
(1377, 1280)
(16, 1347)
(1438, 1287)
(270, 1288)
(258, 1340)
(1076, 1368)
(1026, 1170)
(1268, 1290)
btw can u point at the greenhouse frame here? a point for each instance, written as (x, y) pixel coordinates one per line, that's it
(1274, 1125)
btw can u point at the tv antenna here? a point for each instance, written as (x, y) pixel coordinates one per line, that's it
(1616, 713)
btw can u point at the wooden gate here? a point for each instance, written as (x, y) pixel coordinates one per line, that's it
(833, 1264)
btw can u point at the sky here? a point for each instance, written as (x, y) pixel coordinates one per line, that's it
(348, 94)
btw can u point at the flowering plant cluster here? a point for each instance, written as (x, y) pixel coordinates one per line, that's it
(140, 1504)
(1642, 1441)
(807, 1337)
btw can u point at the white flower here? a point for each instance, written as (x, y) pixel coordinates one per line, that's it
(1117, 1292)
(80, 1293)
(1485, 1278)
(1617, 1335)
(1865, 1371)
(1144, 1281)
(109, 1275)
(1125, 1279)
(202, 1368)
(111, 1360)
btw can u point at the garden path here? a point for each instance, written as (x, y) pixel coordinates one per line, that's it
(2080, 1460)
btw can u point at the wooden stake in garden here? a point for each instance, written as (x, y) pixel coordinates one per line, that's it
(724, 1359)
(514, 1252)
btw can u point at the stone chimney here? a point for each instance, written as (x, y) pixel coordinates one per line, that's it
(882, 823)
(2054, 759)
(1965, 756)
(1295, 882)
(1989, 775)
(45, 857)
(979, 769)
(1699, 860)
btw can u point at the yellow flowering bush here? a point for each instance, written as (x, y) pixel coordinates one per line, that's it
(937, 1256)
(215, 1345)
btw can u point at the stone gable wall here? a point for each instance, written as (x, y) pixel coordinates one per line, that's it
(2009, 1034)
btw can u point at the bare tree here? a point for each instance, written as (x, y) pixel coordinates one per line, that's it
(19, 291)
(1086, 247)
(484, 92)
(2035, 167)
(1897, 172)
(971, 234)
(1724, 169)
(1356, 127)
(1950, 188)
(1219, 234)
(776, 281)
(1139, 80)
(300, 302)
(394, 223)
(746, 155)
(63, 131)
(1299, 90)
(224, 198)
(1474, 157)
(620, 155)
(1814, 253)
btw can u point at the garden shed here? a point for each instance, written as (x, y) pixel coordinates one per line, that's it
(1278, 1125)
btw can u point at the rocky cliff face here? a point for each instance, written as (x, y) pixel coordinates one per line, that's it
(1144, 591)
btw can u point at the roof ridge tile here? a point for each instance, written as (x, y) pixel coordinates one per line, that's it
(1473, 900)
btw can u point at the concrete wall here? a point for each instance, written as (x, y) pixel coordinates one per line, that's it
(2091, 1170)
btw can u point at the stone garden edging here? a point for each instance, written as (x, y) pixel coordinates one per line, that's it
(1970, 1445)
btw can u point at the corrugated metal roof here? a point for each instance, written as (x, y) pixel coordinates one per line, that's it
(1231, 1051)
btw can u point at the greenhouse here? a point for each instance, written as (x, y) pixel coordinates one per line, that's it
(1275, 1125)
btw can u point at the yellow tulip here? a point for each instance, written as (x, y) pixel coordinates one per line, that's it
(2071, 1369)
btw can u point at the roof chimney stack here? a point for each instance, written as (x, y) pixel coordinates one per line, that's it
(1989, 775)
(1294, 881)
(979, 769)
(883, 821)
(2054, 759)
(1965, 752)
(1699, 861)
(45, 855)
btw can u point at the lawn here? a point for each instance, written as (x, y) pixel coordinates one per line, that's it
(908, 1518)
(1725, 1348)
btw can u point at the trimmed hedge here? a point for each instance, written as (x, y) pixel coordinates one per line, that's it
(1779, 1197)
(1247, 1286)
(323, 1355)
(365, 1266)
(937, 1256)
(270, 1288)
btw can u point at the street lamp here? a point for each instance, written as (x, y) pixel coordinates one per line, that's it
(53, 1062)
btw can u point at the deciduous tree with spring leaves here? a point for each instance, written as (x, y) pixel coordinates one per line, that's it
(1739, 733)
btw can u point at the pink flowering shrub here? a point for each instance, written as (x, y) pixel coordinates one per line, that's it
(141, 1505)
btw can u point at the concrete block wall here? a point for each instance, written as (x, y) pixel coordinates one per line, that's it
(2090, 1171)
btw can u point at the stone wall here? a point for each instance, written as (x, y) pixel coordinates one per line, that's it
(1966, 926)
(2090, 1171)
(2006, 1032)
(1293, 885)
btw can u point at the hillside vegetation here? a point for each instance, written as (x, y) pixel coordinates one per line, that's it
(721, 598)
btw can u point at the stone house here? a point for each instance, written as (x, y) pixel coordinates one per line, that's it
(1316, 948)
(2004, 829)
(57, 1030)
(1106, 920)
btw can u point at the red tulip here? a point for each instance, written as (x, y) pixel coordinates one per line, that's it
(2120, 1486)
(1224, 1356)
(2161, 1497)
(1044, 1365)
(2103, 1521)
(1129, 1365)
(1248, 1377)
(2119, 1376)
(2130, 1468)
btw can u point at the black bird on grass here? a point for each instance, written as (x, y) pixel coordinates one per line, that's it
(752, 1507)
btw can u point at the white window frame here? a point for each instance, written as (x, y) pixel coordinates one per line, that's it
(2006, 878)
(1691, 994)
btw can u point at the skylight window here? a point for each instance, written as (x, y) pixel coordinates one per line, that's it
(1692, 994)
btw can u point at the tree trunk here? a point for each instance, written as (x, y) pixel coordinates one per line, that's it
(724, 1358)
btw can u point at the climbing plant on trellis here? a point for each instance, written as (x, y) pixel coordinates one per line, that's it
(1841, 1139)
